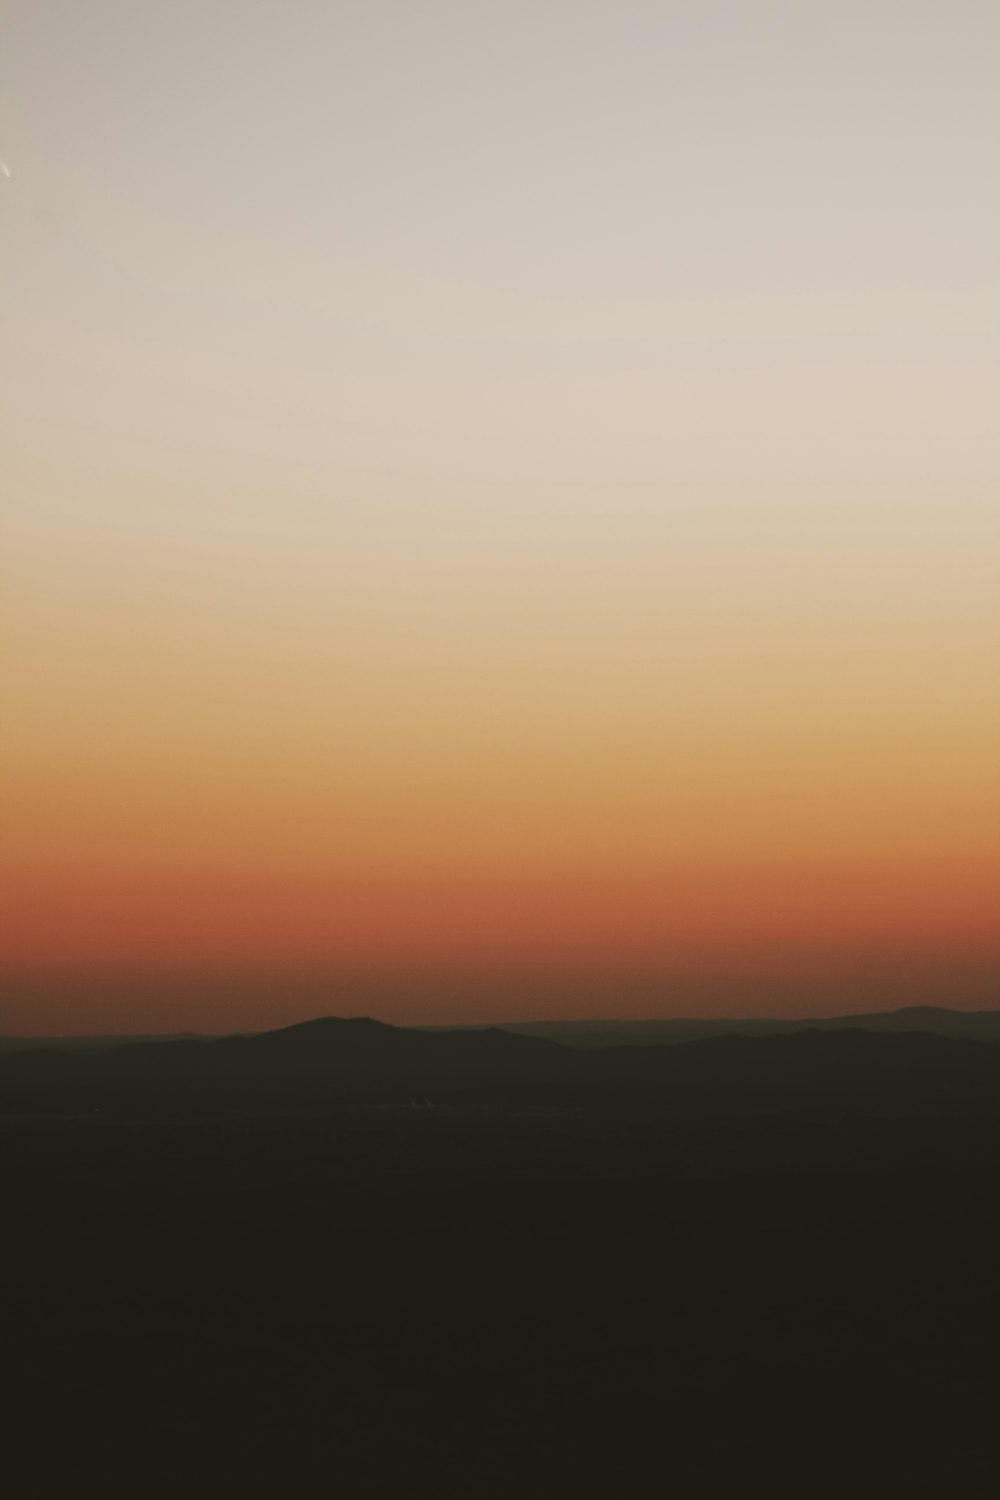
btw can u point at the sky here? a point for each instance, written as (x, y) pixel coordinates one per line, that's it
(501, 509)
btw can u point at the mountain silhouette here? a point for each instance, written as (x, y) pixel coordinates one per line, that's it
(333, 1045)
(983, 1025)
(358, 1061)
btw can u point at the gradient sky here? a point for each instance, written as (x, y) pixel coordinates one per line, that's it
(498, 495)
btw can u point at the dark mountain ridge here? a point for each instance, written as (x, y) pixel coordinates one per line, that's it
(594, 1033)
(337, 1044)
(605, 1032)
(358, 1061)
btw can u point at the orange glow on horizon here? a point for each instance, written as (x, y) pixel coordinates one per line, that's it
(447, 539)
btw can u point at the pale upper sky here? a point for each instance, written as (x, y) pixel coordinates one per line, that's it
(567, 429)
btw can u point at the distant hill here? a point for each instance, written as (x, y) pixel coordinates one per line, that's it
(102, 1042)
(332, 1058)
(982, 1025)
(334, 1045)
(833, 1072)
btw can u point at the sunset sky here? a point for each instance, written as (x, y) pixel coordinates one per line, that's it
(501, 509)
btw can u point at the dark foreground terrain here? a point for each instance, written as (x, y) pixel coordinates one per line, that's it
(350, 1260)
